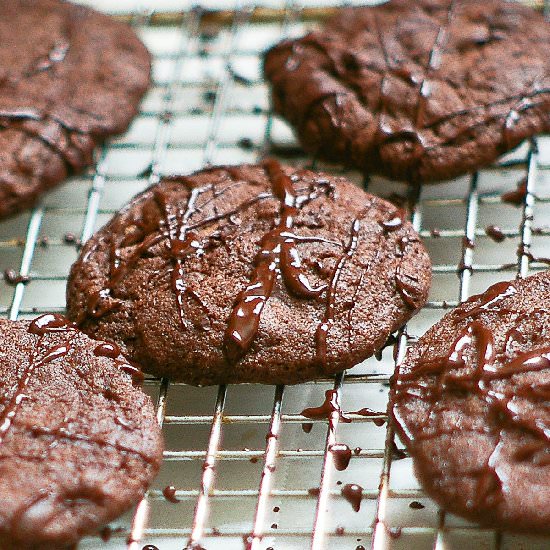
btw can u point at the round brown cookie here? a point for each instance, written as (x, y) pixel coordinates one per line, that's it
(416, 91)
(79, 444)
(471, 401)
(69, 77)
(250, 274)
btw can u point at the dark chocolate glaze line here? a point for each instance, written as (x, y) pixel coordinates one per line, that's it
(40, 355)
(434, 62)
(278, 255)
(178, 248)
(513, 105)
(490, 299)
(328, 320)
(353, 493)
(39, 358)
(330, 404)
(341, 455)
(182, 243)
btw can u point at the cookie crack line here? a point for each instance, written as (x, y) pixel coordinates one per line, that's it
(71, 165)
(62, 433)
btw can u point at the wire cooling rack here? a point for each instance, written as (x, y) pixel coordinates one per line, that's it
(244, 469)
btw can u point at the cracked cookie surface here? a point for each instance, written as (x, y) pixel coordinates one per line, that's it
(253, 273)
(416, 91)
(79, 444)
(69, 77)
(471, 401)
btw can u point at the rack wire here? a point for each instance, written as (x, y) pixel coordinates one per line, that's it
(245, 470)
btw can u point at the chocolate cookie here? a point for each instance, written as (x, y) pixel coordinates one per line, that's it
(78, 443)
(471, 401)
(417, 91)
(250, 274)
(69, 77)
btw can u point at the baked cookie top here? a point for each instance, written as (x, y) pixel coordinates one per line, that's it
(250, 274)
(416, 91)
(79, 444)
(471, 401)
(69, 77)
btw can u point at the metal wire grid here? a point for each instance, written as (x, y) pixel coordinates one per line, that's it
(185, 117)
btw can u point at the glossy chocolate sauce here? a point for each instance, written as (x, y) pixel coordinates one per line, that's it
(517, 196)
(365, 411)
(179, 231)
(341, 455)
(468, 243)
(415, 505)
(106, 533)
(395, 222)
(277, 259)
(132, 369)
(396, 452)
(12, 278)
(169, 493)
(41, 355)
(278, 255)
(307, 427)
(330, 405)
(495, 233)
(328, 320)
(353, 493)
(407, 289)
(107, 349)
(490, 300)
(50, 322)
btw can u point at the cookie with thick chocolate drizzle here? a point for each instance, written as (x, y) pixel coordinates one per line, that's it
(418, 91)
(250, 274)
(69, 77)
(79, 444)
(471, 401)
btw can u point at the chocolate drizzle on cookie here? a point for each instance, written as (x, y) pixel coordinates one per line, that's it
(271, 228)
(389, 88)
(328, 320)
(473, 367)
(278, 256)
(40, 356)
(76, 78)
